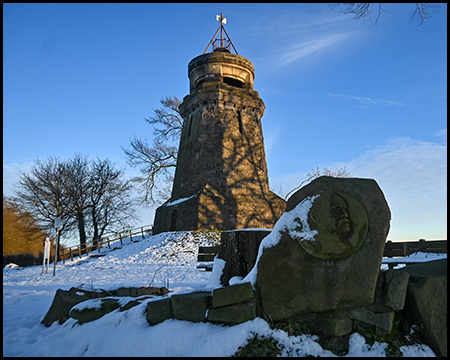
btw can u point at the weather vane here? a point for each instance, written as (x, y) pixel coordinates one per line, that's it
(224, 43)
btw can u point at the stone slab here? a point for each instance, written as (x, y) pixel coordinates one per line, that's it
(381, 322)
(192, 306)
(159, 311)
(232, 295)
(234, 314)
(394, 292)
(330, 326)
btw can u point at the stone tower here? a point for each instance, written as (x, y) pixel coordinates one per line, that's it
(221, 180)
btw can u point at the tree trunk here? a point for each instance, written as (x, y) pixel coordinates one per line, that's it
(81, 229)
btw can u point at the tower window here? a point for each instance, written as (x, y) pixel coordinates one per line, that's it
(233, 82)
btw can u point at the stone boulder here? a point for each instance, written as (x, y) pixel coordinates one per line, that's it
(325, 251)
(426, 301)
(390, 291)
(61, 305)
(87, 314)
(239, 249)
(65, 300)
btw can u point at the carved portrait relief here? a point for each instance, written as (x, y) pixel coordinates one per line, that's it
(341, 224)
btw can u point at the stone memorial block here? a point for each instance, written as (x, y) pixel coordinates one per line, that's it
(325, 251)
(239, 248)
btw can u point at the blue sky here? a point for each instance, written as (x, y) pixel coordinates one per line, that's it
(338, 92)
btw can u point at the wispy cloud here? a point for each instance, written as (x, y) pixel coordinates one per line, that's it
(292, 37)
(413, 177)
(306, 48)
(365, 100)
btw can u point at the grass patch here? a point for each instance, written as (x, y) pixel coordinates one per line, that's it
(259, 347)
(404, 333)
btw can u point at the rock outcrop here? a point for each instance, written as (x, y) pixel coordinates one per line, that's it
(239, 249)
(65, 300)
(426, 301)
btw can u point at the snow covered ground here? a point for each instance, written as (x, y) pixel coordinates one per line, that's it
(157, 260)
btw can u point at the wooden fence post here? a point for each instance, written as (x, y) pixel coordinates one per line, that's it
(71, 254)
(142, 232)
(109, 246)
(63, 255)
(131, 236)
(87, 248)
(79, 251)
(120, 236)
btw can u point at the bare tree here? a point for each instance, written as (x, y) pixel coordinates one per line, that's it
(111, 204)
(315, 173)
(77, 187)
(169, 117)
(156, 162)
(72, 190)
(364, 11)
(42, 194)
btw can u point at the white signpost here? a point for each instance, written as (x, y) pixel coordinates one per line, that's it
(57, 226)
(46, 254)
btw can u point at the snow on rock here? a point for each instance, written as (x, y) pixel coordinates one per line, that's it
(11, 266)
(216, 273)
(416, 350)
(290, 221)
(88, 304)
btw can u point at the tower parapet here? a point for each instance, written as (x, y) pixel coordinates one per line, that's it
(225, 67)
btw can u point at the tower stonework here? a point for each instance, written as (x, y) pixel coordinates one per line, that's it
(221, 180)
